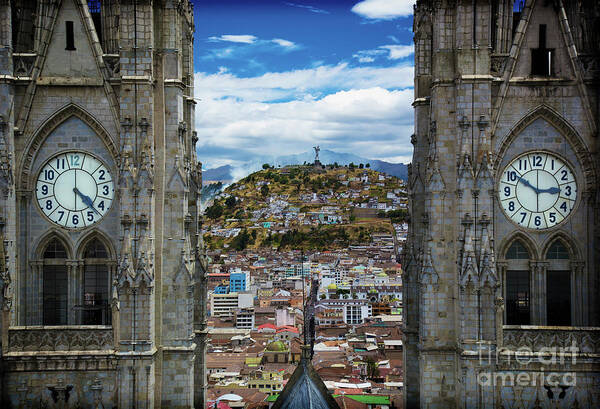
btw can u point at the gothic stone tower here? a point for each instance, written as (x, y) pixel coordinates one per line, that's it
(504, 238)
(101, 270)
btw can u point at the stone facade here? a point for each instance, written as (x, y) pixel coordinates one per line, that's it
(113, 79)
(482, 98)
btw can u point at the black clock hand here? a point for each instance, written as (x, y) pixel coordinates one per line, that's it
(526, 183)
(551, 190)
(86, 200)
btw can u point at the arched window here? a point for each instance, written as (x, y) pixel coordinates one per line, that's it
(518, 300)
(558, 285)
(55, 284)
(96, 282)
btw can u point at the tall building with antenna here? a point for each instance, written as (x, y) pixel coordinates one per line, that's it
(502, 261)
(102, 267)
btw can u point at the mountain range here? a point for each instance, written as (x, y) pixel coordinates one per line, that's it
(231, 173)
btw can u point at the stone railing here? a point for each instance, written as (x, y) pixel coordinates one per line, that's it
(60, 338)
(534, 338)
(23, 64)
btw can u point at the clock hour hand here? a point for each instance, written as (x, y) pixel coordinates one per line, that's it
(86, 200)
(551, 190)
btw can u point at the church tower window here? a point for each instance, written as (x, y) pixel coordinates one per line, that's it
(558, 286)
(95, 8)
(70, 37)
(55, 284)
(96, 282)
(541, 57)
(517, 285)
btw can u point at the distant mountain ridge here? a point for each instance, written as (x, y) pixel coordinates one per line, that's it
(229, 173)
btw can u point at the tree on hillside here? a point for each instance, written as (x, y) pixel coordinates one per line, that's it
(368, 165)
(372, 370)
(264, 190)
(215, 211)
(360, 166)
(265, 166)
(230, 202)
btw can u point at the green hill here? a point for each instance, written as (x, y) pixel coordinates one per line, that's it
(304, 207)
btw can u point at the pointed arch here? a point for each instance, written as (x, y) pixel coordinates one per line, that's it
(565, 129)
(25, 181)
(525, 239)
(88, 237)
(567, 240)
(41, 244)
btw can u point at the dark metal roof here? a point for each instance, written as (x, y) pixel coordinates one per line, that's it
(305, 390)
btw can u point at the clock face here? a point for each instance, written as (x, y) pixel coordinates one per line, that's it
(74, 190)
(538, 190)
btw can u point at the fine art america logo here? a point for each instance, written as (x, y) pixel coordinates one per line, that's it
(535, 366)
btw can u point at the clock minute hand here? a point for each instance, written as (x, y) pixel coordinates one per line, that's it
(526, 183)
(86, 200)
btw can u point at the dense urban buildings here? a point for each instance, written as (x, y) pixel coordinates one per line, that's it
(101, 273)
(501, 263)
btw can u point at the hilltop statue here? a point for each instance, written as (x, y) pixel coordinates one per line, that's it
(317, 150)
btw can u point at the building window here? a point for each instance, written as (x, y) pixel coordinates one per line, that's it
(541, 57)
(96, 280)
(95, 8)
(557, 251)
(517, 287)
(55, 284)
(558, 286)
(70, 36)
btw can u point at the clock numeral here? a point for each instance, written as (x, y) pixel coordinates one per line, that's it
(62, 214)
(511, 176)
(75, 160)
(552, 217)
(568, 191)
(538, 161)
(48, 204)
(75, 219)
(523, 216)
(507, 191)
(48, 174)
(44, 189)
(101, 205)
(564, 207)
(552, 165)
(537, 221)
(101, 172)
(60, 163)
(90, 216)
(511, 206)
(105, 190)
(523, 164)
(565, 175)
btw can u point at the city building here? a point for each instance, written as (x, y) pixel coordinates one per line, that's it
(244, 318)
(103, 276)
(502, 249)
(224, 305)
(238, 280)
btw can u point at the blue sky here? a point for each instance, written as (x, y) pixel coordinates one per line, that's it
(277, 77)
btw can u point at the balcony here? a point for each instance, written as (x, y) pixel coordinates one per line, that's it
(534, 338)
(58, 340)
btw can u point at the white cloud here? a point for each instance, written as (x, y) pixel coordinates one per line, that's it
(284, 43)
(391, 52)
(399, 51)
(384, 9)
(309, 8)
(347, 109)
(243, 38)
